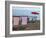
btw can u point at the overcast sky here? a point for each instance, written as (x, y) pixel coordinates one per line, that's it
(25, 11)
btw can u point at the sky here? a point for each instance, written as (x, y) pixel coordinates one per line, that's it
(25, 11)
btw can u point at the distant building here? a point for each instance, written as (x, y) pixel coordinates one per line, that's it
(24, 19)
